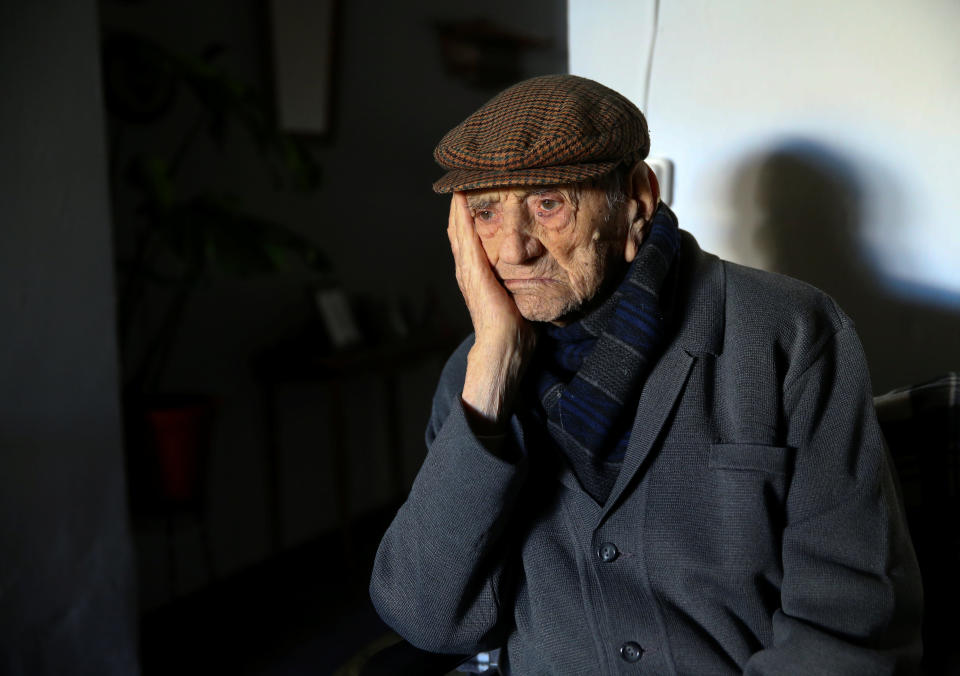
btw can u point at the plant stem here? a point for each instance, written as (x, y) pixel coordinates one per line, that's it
(155, 359)
(185, 143)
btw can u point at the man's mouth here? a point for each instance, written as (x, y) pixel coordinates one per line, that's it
(527, 284)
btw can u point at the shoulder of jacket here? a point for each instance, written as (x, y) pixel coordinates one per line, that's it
(779, 304)
(780, 320)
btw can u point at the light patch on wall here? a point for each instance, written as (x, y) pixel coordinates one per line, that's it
(868, 93)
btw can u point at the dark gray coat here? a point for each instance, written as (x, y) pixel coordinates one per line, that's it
(756, 522)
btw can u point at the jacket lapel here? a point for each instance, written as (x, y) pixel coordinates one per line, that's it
(700, 306)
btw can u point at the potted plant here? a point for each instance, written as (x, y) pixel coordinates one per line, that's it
(180, 236)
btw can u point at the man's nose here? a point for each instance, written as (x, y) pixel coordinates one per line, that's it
(519, 245)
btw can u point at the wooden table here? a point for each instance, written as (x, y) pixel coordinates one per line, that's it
(295, 362)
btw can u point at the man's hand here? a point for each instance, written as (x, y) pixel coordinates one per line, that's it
(504, 339)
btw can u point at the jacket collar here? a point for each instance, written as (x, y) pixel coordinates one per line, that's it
(700, 300)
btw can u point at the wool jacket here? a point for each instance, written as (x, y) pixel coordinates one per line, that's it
(755, 526)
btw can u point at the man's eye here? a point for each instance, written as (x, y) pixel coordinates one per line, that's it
(549, 204)
(484, 215)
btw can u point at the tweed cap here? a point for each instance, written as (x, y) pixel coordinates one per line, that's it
(543, 131)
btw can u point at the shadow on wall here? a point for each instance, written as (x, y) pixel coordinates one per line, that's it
(806, 208)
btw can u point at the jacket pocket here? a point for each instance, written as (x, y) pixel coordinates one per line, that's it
(751, 458)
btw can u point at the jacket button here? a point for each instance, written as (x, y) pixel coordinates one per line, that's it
(607, 552)
(631, 651)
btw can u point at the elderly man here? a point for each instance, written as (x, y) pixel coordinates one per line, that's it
(645, 459)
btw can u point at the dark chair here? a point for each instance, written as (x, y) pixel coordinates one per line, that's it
(922, 426)
(402, 659)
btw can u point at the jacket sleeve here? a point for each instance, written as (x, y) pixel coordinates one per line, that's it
(440, 566)
(851, 596)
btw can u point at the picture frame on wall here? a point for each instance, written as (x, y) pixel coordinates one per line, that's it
(303, 38)
(338, 318)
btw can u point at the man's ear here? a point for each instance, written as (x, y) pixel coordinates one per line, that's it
(642, 201)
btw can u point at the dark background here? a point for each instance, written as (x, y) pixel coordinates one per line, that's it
(88, 586)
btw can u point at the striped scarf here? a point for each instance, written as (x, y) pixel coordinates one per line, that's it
(591, 371)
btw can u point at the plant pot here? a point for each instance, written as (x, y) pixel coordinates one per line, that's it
(172, 436)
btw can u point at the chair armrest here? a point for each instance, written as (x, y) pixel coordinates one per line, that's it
(402, 659)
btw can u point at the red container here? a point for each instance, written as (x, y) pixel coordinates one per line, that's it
(179, 434)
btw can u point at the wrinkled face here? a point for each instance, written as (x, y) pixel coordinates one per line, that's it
(552, 250)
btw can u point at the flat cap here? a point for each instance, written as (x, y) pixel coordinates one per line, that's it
(542, 131)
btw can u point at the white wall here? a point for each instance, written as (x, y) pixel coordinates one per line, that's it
(813, 138)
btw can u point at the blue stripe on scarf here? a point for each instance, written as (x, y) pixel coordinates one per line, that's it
(646, 323)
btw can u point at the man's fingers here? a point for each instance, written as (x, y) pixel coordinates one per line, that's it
(487, 301)
(463, 238)
(470, 249)
(454, 244)
(452, 230)
(460, 214)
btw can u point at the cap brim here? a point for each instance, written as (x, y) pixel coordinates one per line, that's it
(474, 179)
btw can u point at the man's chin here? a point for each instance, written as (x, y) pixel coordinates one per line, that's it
(538, 309)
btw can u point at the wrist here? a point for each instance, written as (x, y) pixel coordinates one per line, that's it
(493, 374)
